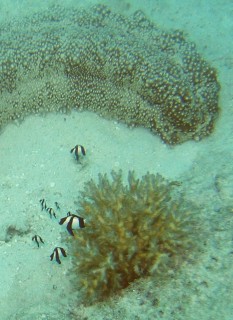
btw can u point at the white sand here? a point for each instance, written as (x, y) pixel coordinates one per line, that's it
(35, 163)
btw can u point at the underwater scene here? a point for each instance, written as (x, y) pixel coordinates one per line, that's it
(116, 171)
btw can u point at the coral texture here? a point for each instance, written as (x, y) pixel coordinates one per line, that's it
(123, 68)
(132, 231)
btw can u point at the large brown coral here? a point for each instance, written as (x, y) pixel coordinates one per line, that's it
(123, 68)
(131, 231)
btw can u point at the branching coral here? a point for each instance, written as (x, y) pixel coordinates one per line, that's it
(131, 231)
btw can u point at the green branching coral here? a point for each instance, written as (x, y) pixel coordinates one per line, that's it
(131, 231)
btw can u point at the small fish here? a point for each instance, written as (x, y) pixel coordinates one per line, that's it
(72, 222)
(57, 205)
(78, 149)
(57, 252)
(37, 239)
(51, 212)
(43, 204)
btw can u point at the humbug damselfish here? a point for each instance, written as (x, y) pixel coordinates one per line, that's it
(72, 221)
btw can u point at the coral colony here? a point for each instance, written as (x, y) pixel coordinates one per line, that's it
(132, 231)
(123, 68)
(125, 232)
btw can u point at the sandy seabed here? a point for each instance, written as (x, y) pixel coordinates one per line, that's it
(35, 163)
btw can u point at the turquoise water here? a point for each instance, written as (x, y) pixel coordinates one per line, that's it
(39, 129)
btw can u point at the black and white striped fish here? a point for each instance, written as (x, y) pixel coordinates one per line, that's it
(72, 221)
(51, 212)
(78, 149)
(43, 204)
(37, 239)
(57, 252)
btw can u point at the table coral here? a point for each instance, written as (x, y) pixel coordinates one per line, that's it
(123, 68)
(132, 231)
